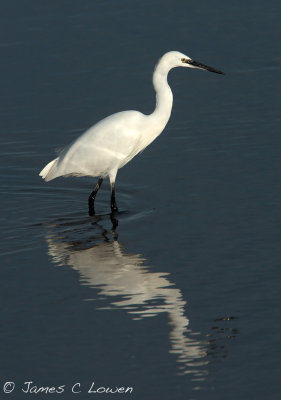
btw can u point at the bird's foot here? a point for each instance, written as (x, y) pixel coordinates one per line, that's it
(91, 206)
(91, 212)
(114, 207)
(114, 225)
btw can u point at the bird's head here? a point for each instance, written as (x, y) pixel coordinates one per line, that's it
(176, 59)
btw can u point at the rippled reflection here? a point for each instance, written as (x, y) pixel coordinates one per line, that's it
(124, 281)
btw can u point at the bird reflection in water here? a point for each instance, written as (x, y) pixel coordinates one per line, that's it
(125, 282)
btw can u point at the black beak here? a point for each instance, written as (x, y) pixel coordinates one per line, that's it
(203, 66)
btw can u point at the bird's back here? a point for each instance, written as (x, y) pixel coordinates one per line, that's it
(106, 146)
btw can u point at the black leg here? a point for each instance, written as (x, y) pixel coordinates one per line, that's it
(112, 201)
(114, 222)
(93, 196)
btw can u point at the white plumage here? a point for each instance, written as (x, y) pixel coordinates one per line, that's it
(115, 140)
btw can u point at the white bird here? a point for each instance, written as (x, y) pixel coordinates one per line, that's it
(115, 140)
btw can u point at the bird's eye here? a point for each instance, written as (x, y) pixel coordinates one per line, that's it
(184, 60)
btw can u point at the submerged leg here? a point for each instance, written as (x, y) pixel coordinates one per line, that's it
(112, 199)
(112, 177)
(93, 196)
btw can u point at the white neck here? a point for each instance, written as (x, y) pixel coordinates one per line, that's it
(164, 95)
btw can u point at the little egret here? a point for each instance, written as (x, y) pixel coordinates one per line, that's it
(115, 140)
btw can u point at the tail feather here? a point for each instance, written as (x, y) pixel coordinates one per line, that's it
(49, 171)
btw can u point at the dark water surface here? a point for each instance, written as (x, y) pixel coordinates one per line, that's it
(182, 299)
